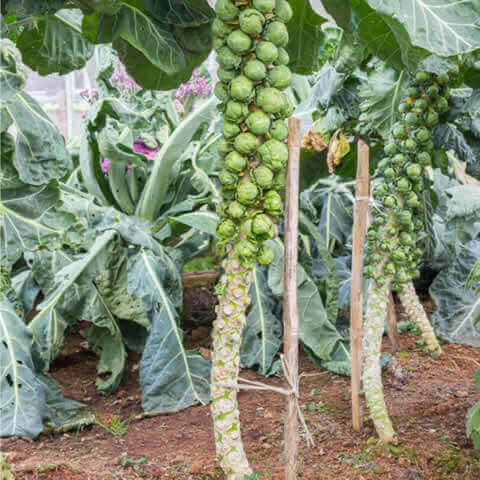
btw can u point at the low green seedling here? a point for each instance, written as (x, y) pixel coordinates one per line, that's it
(116, 427)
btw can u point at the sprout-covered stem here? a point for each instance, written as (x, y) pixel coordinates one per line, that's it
(227, 338)
(416, 313)
(372, 374)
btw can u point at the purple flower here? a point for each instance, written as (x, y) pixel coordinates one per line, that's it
(140, 147)
(122, 81)
(105, 165)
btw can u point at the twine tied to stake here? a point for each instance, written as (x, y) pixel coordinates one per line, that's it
(293, 390)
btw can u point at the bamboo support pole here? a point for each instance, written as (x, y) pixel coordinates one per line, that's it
(290, 302)
(362, 192)
(392, 323)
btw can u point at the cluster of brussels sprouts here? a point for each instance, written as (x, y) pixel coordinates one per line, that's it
(250, 37)
(394, 235)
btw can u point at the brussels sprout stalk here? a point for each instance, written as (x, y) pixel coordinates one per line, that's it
(249, 37)
(227, 338)
(416, 313)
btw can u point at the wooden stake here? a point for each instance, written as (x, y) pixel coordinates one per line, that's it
(392, 323)
(290, 302)
(362, 192)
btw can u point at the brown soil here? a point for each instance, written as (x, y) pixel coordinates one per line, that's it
(428, 410)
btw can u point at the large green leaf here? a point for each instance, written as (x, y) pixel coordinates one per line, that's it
(306, 38)
(315, 331)
(180, 12)
(40, 152)
(31, 218)
(262, 335)
(381, 94)
(18, 383)
(171, 377)
(202, 220)
(156, 188)
(55, 44)
(13, 74)
(458, 307)
(445, 28)
(32, 7)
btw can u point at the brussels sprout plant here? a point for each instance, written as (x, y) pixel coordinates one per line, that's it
(250, 36)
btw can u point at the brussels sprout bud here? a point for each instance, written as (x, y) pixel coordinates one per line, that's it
(262, 227)
(283, 57)
(412, 119)
(280, 180)
(283, 11)
(226, 10)
(228, 59)
(399, 256)
(404, 185)
(265, 255)
(383, 164)
(246, 143)
(413, 92)
(220, 29)
(410, 145)
(380, 281)
(279, 130)
(236, 210)
(251, 21)
(421, 104)
(412, 200)
(404, 107)
(371, 234)
(230, 129)
(273, 203)
(390, 174)
(443, 79)
(422, 77)
(226, 75)
(255, 70)
(390, 201)
(401, 276)
(248, 193)
(422, 135)
(390, 149)
(239, 42)
(414, 171)
(218, 43)
(227, 229)
(224, 147)
(241, 88)
(441, 105)
(423, 159)
(227, 194)
(270, 99)
(228, 179)
(399, 132)
(264, 6)
(277, 33)
(221, 91)
(399, 159)
(280, 77)
(266, 52)
(235, 111)
(380, 191)
(258, 122)
(247, 250)
(263, 177)
(406, 239)
(288, 107)
(432, 91)
(431, 119)
(404, 217)
(235, 162)
(274, 154)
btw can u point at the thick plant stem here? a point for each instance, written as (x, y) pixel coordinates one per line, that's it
(227, 338)
(416, 313)
(372, 373)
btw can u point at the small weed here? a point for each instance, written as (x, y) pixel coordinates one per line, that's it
(404, 354)
(47, 468)
(116, 427)
(315, 392)
(135, 464)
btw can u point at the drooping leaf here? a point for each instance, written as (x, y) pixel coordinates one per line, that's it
(444, 28)
(203, 221)
(262, 335)
(55, 44)
(381, 95)
(40, 153)
(458, 307)
(305, 38)
(18, 382)
(13, 74)
(32, 218)
(172, 377)
(448, 137)
(26, 289)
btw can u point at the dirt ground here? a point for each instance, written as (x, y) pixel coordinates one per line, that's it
(428, 408)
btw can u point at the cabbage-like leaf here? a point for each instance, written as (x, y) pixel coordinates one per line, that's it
(262, 335)
(186, 13)
(13, 73)
(457, 315)
(18, 382)
(203, 221)
(55, 43)
(40, 152)
(32, 218)
(171, 377)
